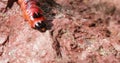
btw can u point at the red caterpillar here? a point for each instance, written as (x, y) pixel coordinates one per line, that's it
(31, 12)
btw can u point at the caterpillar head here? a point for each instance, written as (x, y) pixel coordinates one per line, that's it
(41, 26)
(38, 20)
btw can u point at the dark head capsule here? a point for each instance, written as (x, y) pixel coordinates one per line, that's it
(40, 26)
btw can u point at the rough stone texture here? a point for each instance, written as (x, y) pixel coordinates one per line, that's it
(79, 31)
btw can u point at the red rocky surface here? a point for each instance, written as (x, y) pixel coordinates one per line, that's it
(79, 31)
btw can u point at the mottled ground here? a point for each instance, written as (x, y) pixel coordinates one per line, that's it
(79, 31)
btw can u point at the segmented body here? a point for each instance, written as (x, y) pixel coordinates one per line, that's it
(31, 12)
